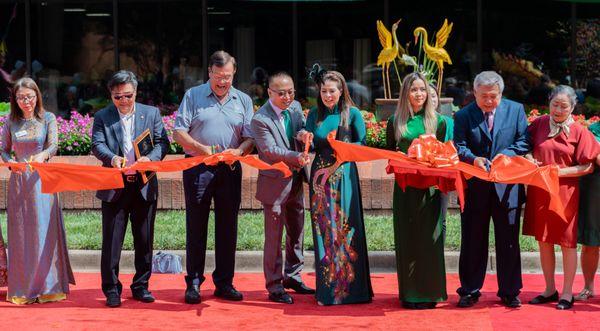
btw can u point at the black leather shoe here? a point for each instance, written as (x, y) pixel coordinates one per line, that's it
(298, 287)
(468, 300)
(418, 305)
(542, 299)
(564, 304)
(228, 293)
(281, 297)
(426, 305)
(511, 302)
(192, 294)
(409, 305)
(143, 295)
(113, 300)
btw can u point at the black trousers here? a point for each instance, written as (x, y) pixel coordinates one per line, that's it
(203, 184)
(475, 227)
(115, 215)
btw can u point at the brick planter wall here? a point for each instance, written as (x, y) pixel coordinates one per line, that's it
(376, 187)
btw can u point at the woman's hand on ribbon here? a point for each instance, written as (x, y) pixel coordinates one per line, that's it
(15, 167)
(39, 157)
(529, 157)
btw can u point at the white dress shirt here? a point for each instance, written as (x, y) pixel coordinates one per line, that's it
(128, 126)
(279, 113)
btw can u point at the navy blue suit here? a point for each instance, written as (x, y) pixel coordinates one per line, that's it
(501, 202)
(136, 201)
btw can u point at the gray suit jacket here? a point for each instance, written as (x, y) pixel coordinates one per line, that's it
(273, 146)
(107, 139)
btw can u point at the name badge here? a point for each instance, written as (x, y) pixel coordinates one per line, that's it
(20, 134)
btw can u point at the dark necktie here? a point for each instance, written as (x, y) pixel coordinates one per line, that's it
(287, 124)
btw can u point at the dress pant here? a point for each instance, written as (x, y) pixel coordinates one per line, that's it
(115, 215)
(288, 214)
(201, 185)
(475, 226)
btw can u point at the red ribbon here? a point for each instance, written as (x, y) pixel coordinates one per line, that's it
(429, 150)
(60, 177)
(427, 172)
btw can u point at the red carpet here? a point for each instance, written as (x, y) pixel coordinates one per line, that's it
(84, 309)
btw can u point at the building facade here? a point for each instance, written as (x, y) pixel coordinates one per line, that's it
(72, 47)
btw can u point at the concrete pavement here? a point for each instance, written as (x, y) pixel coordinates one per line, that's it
(251, 261)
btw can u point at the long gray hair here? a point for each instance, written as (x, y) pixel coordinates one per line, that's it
(404, 110)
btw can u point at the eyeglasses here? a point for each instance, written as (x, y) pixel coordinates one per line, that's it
(126, 96)
(26, 98)
(223, 78)
(283, 93)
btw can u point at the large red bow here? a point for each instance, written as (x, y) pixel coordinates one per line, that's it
(429, 150)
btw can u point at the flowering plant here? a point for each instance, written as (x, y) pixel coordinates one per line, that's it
(376, 130)
(75, 135)
(169, 123)
(376, 134)
(535, 113)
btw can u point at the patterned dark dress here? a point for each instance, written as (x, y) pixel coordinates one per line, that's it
(342, 264)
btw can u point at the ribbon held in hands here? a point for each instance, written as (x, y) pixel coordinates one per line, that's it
(420, 171)
(307, 142)
(60, 177)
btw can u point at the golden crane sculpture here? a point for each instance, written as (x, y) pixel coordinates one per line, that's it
(388, 54)
(437, 53)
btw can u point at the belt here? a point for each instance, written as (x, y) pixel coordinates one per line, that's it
(130, 178)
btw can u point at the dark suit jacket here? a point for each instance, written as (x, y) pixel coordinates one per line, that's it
(509, 137)
(107, 139)
(273, 146)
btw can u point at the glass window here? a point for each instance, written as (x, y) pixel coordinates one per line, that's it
(258, 34)
(12, 48)
(72, 53)
(343, 38)
(161, 41)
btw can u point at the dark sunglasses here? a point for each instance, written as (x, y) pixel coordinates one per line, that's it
(126, 96)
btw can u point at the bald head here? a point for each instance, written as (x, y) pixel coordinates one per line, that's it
(281, 90)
